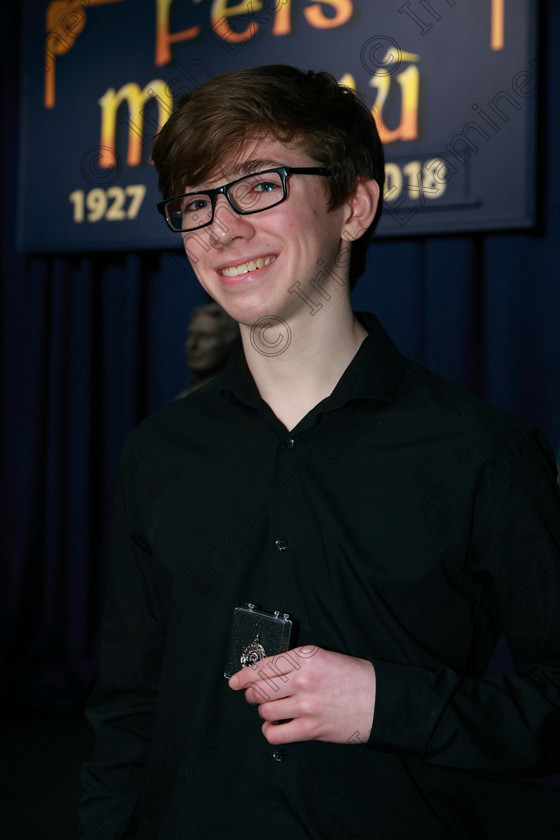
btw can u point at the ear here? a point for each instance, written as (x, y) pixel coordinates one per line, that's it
(362, 209)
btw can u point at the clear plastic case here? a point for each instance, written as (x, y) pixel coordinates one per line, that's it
(256, 634)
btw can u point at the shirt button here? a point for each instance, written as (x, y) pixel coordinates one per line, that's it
(289, 443)
(279, 755)
(281, 544)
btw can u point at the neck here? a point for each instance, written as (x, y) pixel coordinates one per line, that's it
(297, 364)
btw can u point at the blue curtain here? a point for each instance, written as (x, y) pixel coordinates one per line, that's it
(92, 343)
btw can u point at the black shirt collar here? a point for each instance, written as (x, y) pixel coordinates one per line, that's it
(374, 372)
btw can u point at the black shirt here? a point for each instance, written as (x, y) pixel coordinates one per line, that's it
(403, 521)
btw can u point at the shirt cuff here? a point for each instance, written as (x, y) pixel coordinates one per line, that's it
(404, 715)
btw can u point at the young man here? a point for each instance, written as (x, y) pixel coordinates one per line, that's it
(400, 522)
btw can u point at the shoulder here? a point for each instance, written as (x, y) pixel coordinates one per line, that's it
(174, 423)
(423, 387)
(163, 441)
(414, 394)
(482, 431)
(161, 450)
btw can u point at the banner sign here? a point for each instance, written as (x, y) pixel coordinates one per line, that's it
(452, 84)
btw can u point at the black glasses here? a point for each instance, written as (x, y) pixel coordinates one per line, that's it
(250, 194)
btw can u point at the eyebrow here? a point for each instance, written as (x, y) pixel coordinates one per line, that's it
(246, 167)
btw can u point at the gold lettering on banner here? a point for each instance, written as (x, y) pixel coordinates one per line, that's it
(316, 17)
(409, 83)
(497, 25)
(164, 38)
(220, 12)
(347, 80)
(65, 20)
(282, 22)
(136, 100)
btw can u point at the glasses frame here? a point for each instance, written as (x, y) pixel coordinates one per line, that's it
(283, 171)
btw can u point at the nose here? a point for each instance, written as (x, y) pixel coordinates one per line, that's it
(228, 224)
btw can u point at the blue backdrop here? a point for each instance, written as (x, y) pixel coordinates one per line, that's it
(100, 76)
(93, 342)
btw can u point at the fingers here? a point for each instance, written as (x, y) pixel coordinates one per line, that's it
(277, 711)
(273, 669)
(328, 697)
(287, 733)
(262, 691)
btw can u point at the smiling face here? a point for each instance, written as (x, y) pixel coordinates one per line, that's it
(250, 264)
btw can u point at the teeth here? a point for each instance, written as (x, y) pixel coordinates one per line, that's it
(245, 268)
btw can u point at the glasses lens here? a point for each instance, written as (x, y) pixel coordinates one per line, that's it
(189, 212)
(257, 192)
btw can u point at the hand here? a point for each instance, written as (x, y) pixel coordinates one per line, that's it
(316, 694)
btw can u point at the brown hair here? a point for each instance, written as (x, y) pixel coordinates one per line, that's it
(214, 121)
